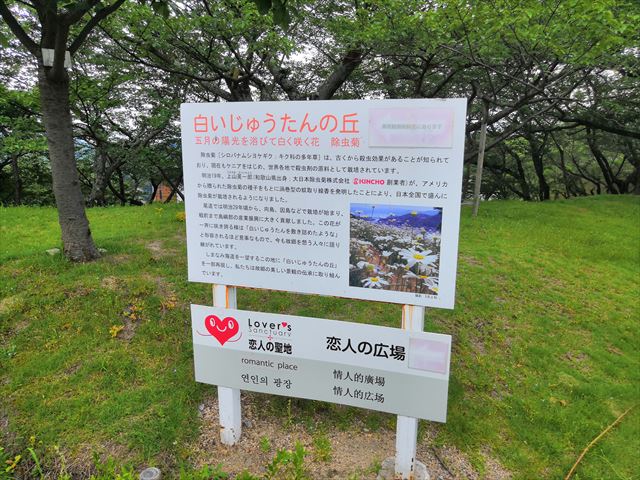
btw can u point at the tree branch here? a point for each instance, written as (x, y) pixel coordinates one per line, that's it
(207, 83)
(91, 24)
(604, 126)
(17, 29)
(348, 64)
(73, 16)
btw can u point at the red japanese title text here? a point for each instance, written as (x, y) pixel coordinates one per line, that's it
(346, 123)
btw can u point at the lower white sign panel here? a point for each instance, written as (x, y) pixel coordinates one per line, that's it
(379, 368)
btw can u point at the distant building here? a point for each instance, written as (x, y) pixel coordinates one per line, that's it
(162, 193)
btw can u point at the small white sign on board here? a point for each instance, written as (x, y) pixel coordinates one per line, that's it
(378, 368)
(350, 198)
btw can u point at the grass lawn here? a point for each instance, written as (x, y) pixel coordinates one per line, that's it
(545, 336)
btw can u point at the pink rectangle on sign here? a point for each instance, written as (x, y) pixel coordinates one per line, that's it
(429, 355)
(411, 127)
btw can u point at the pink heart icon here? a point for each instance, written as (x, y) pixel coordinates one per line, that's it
(223, 329)
(284, 324)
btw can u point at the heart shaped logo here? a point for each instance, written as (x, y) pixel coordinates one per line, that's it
(284, 324)
(222, 329)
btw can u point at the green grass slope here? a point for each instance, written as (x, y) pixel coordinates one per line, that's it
(545, 338)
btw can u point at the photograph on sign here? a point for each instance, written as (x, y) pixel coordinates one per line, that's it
(395, 247)
(286, 195)
(368, 366)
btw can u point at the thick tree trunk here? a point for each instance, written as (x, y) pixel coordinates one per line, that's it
(77, 242)
(17, 182)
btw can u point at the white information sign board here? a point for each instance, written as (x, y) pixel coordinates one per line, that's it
(378, 368)
(348, 198)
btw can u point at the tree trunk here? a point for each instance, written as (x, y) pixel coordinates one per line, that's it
(537, 156)
(121, 187)
(544, 192)
(17, 182)
(633, 180)
(563, 167)
(603, 163)
(77, 242)
(99, 186)
(348, 64)
(522, 180)
(174, 186)
(520, 174)
(116, 193)
(133, 199)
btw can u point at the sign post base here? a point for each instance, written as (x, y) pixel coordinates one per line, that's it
(405, 465)
(388, 471)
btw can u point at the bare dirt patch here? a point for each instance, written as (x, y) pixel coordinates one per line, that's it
(469, 260)
(493, 468)
(118, 259)
(78, 291)
(81, 463)
(4, 424)
(449, 463)
(165, 291)
(614, 350)
(579, 360)
(131, 319)
(354, 452)
(110, 283)
(21, 325)
(72, 369)
(158, 250)
(477, 344)
(351, 451)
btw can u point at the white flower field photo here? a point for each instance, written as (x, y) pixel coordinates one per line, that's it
(395, 247)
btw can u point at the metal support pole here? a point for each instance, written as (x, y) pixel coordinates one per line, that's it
(483, 141)
(407, 427)
(228, 398)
